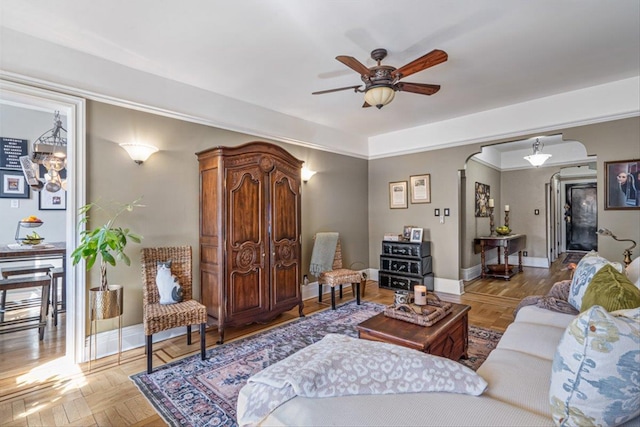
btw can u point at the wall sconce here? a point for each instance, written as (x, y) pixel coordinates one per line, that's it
(306, 173)
(139, 152)
(627, 252)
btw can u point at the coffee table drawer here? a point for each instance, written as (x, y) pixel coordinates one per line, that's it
(452, 344)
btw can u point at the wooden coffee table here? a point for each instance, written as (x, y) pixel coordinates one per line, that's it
(448, 338)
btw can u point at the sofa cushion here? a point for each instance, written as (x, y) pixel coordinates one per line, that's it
(612, 290)
(531, 338)
(519, 379)
(633, 272)
(594, 380)
(584, 272)
(542, 316)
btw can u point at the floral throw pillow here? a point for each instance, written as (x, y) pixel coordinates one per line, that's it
(594, 379)
(584, 272)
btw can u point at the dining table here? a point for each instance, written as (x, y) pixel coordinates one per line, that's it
(13, 252)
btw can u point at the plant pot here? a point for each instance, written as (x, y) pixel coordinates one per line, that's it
(105, 304)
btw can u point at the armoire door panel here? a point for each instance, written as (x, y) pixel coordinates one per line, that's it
(209, 293)
(209, 203)
(284, 284)
(246, 207)
(284, 205)
(246, 295)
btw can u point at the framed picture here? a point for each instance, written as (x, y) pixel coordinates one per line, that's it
(406, 231)
(52, 201)
(420, 188)
(398, 195)
(482, 200)
(622, 185)
(416, 235)
(13, 185)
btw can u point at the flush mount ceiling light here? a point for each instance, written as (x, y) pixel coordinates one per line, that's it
(139, 153)
(537, 158)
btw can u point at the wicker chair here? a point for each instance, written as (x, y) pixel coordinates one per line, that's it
(160, 317)
(339, 276)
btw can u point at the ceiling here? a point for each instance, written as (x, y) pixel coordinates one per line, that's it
(262, 59)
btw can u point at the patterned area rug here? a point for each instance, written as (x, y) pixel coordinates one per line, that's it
(573, 257)
(192, 392)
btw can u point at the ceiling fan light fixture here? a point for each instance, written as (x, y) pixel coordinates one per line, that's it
(538, 158)
(380, 95)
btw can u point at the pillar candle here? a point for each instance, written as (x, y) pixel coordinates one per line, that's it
(490, 203)
(506, 208)
(420, 295)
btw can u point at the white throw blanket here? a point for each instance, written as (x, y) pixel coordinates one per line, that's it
(339, 365)
(324, 250)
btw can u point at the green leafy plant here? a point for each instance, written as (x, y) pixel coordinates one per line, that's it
(107, 242)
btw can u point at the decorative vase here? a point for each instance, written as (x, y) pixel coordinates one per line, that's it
(105, 304)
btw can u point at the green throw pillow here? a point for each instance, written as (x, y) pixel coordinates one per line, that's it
(612, 290)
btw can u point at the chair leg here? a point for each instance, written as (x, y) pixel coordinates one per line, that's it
(358, 293)
(148, 349)
(340, 291)
(188, 334)
(319, 292)
(203, 340)
(333, 298)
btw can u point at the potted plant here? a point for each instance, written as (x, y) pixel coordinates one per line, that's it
(105, 244)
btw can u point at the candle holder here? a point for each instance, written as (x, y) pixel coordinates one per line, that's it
(506, 218)
(492, 224)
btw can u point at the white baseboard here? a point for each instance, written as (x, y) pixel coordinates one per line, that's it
(475, 271)
(132, 337)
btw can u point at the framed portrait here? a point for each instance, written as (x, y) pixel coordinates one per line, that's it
(398, 195)
(52, 201)
(622, 185)
(416, 235)
(420, 188)
(13, 185)
(482, 200)
(406, 231)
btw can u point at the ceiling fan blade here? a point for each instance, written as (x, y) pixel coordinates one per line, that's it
(420, 88)
(354, 64)
(432, 58)
(355, 88)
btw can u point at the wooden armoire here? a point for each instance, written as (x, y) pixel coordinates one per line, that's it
(249, 233)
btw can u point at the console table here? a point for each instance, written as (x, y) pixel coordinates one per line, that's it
(509, 244)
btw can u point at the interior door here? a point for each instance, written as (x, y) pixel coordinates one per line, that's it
(581, 217)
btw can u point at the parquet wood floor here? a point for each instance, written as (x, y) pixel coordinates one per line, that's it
(36, 390)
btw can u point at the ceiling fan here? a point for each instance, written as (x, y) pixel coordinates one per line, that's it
(382, 81)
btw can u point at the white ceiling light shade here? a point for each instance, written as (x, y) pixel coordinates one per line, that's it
(139, 153)
(379, 96)
(537, 158)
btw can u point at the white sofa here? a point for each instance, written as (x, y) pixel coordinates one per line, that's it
(518, 373)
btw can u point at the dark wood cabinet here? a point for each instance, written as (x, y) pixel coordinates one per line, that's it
(249, 233)
(404, 265)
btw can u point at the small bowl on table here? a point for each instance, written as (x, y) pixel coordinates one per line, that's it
(30, 242)
(503, 232)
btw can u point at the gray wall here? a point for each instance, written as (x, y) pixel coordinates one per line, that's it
(334, 199)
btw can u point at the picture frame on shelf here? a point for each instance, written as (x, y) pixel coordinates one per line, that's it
(48, 201)
(420, 188)
(416, 235)
(398, 195)
(622, 185)
(406, 231)
(13, 185)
